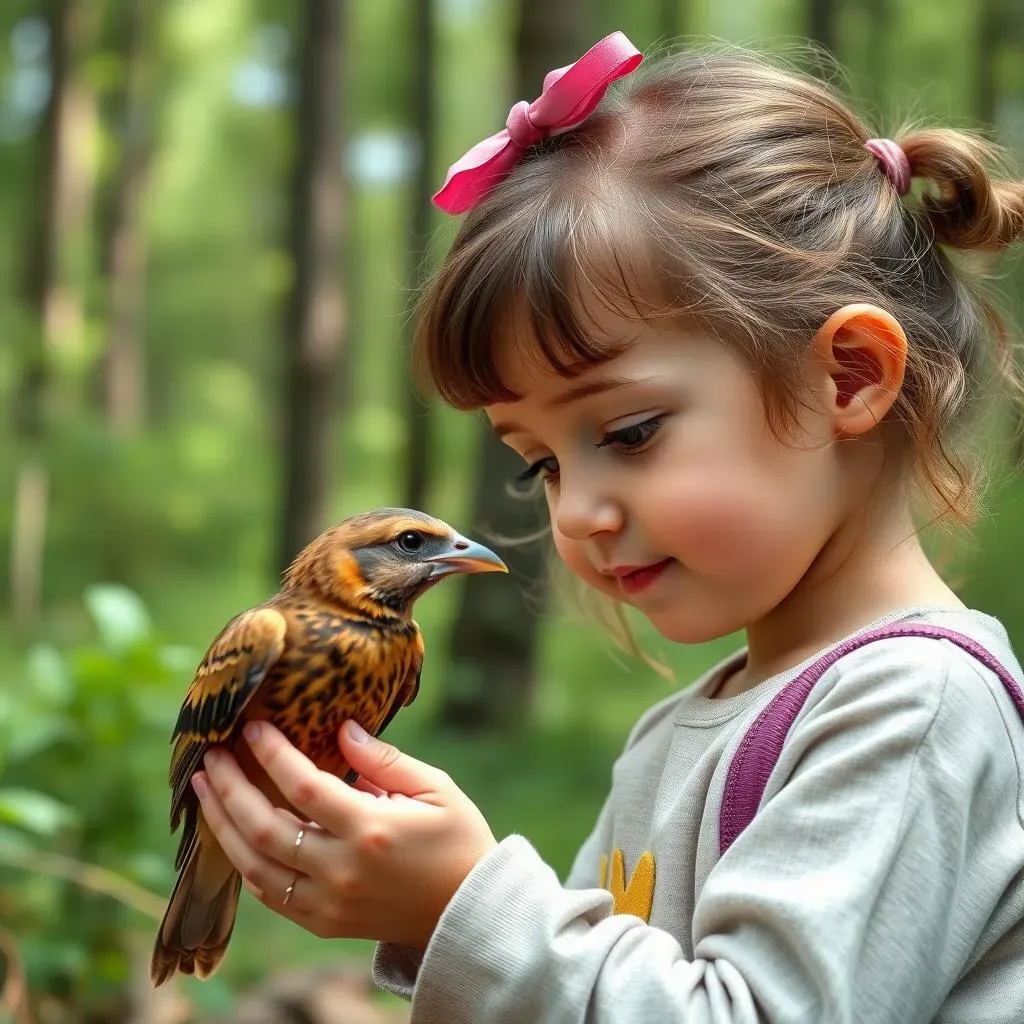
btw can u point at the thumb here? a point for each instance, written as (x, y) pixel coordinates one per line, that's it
(386, 767)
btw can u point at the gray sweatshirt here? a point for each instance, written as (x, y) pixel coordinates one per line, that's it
(881, 881)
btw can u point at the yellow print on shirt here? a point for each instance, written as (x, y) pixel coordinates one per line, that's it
(637, 896)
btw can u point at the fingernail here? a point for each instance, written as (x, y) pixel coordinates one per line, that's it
(251, 732)
(199, 784)
(212, 757)
(356, 732)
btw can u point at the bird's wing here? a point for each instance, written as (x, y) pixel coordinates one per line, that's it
(407, 694)
(227, 677)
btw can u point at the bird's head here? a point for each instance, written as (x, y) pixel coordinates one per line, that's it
(381, 561)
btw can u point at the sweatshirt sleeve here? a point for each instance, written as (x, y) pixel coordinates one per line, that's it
(854, 896)
(395, 968)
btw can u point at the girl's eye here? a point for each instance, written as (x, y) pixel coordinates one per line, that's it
(630, 438)
(546, 467)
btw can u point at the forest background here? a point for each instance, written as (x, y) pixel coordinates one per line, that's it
(213, 217)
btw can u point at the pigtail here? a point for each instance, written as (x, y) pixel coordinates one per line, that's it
(966, 203)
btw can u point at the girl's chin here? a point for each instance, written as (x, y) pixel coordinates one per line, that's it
(690, 626)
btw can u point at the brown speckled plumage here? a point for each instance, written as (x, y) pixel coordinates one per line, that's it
(338, 641)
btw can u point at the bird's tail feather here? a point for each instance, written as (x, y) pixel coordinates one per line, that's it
(200, 915)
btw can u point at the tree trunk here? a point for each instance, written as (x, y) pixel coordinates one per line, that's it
(990, 33)
(316, 315)
(876, 55)
(822, 21)
(417, 413)
(492, 670)
(124, 257)
(670, 20)
(63, 194)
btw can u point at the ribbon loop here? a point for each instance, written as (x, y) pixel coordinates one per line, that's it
(569, 96)
(522, 132)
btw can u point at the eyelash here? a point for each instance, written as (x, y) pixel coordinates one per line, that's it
(536, 468)
(646, 428)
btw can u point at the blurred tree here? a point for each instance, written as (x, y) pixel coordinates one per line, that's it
(316, 316)
(876, 63)
(822, 23)
(671, 20)
(123, 256)
(492, 674)
(1000, 34)
(63, 189)
(990, 17)
(1000, 31)
(417, 413)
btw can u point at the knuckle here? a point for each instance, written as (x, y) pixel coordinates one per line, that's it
(344, 884)
(262, 835)
(374, 842)
(305, 793)
(252, 871)
(222, 787)
(389, 755)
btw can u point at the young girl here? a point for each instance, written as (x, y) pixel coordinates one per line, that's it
(713, 319)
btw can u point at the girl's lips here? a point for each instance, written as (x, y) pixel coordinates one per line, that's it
(634, 579)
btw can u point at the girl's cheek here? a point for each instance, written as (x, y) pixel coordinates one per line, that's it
(722, 527)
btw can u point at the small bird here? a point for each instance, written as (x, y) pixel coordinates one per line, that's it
(337, 641)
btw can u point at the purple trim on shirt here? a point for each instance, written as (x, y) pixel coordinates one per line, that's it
(760, 748)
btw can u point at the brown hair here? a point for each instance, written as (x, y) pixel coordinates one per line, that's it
(723, 189)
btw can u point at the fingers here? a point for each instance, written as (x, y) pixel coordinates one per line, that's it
(317, 795)
(386, 767)
(265, 876)
(365, 786)
(303, 906)
(270, 830)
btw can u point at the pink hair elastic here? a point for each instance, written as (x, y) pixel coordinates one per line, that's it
(893, 162)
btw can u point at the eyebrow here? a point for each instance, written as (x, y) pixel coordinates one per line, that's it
(574, 394)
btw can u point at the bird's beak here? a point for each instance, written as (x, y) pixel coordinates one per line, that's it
(465, 556)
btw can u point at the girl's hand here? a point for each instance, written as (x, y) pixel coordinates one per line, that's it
(384, 856)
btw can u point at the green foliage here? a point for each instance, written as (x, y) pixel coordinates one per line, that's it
(83, 742)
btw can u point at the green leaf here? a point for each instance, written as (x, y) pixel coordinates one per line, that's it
(34, 812)
(49, 675)
(37, 733)
(13, 840)
(179, 659)
(119, 614)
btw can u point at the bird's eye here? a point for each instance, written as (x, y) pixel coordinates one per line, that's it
(410, 541)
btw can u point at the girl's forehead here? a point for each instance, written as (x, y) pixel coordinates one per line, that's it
(652, 355)
(524, 367)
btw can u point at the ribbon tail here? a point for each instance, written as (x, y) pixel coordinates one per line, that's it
(470, 178)
(571, 94)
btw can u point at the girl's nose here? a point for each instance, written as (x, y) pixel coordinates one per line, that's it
(583, 511)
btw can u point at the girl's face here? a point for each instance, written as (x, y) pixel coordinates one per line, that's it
(665, 485)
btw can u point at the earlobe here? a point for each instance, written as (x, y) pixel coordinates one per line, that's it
(863, 349)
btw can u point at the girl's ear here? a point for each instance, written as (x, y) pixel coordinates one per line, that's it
(863, 351)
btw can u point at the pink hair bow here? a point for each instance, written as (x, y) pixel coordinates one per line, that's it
(569, 97)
